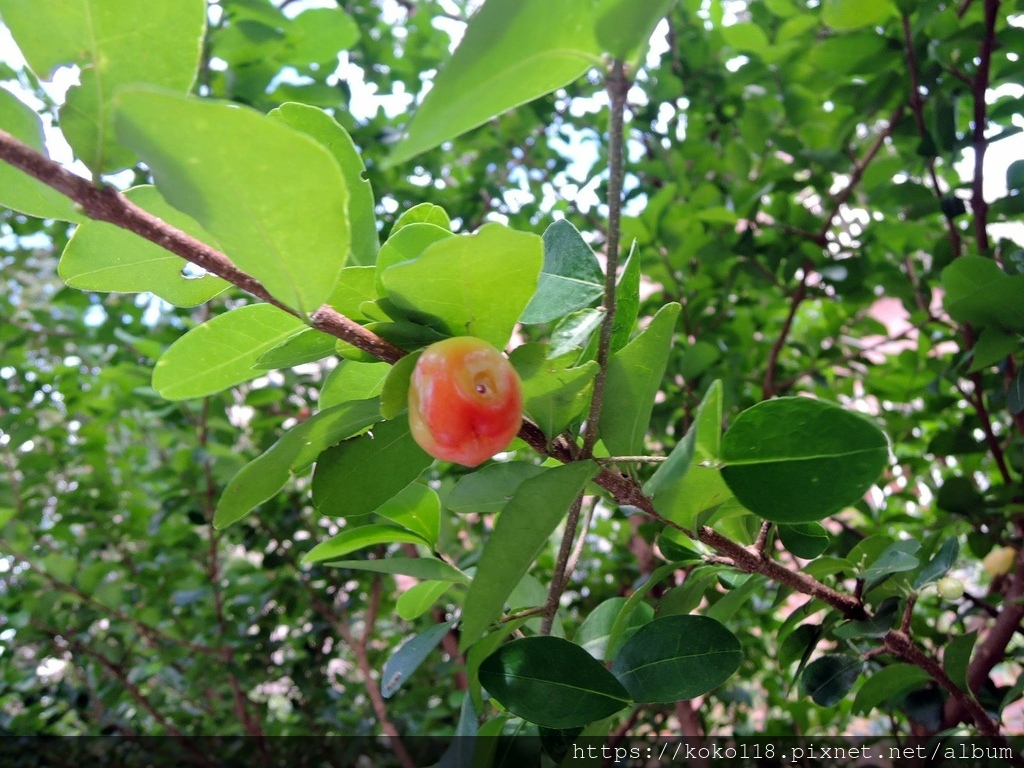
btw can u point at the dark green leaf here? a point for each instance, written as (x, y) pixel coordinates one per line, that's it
(939, 564)
(957, 658)
(595, 631)
(829, 678)
(877, 626)
(571, 278)
(407, 659)
(490, 488)
(887, 687)
(806, 540)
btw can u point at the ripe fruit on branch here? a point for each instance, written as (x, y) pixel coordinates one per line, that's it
(465, 401)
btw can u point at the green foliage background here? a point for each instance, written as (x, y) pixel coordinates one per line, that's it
(803, 218)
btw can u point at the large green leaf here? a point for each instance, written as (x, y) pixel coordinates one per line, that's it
(676, 658)
(267, 474)
(325, 129)
(222, 352)
(513, 52)
(634, 377)
(552, 682)
(624, 26)
(274, 198)
(554, 392)
(360, 537)
(19, 190)
(357, 476)
(795, 459)
(888, 686)
(103, 257)
(491, 487)
(528, 520)
(571, 278)
(979, 292)
(406, 243)
(474, 285)
(407, 659)
(115, 44)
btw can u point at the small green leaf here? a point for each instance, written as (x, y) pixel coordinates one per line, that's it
(423, 213)
(408, 658)
(633, 603)
(415, 508)
(853, 14)
(552, 682)
(627, 301)
(595, 631)
(806, 540)
(829, 678)
(352, 381)
(897, 558)
(406, 244)
(877, 626)
(522, 530)
(513, 51)
(394, 398)
(677, 658)
(571, 278)
(357, 476)
(939, 564)
(103, 257)
(1015, 176)
(574, 331)
(355, 288)
(325, 129)
(362, 536)
(267, 474)
(307, 346)
(416, 567)
(18, 190)
(490, 488)
(1015, 393)
(624, 26)
(316, 36)
(274, 198)
(221, 352)
(795, 460)
(887, 687)
(633, 379)
(957, 658)
(419, 598)
(474, 285)
(554, 392)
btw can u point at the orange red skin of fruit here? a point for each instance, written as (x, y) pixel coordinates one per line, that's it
(465, 401)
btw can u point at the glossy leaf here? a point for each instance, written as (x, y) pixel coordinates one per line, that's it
(829, 678)
(267, 474)
(359, 537)
(325, 129)
(633, 603)
(524, 527)
(513, 52)
(595, 631)
(676, 658)
(474, 285)
(419, 598)
(627, 301)
(570, 279)
(415, 508)
(115, 44)
(282, 218)
(416, 567)
(552, 682)
(805, 540)
(221, 352)
(794, 460)
(18, 190)
(307, 346)
(357, 476)
(575, 331)
(897, 558)
(491, 487)
(395, 392)
(634, 377)
(554, 392)
(352, 381)
(407, 659)
(103, 257)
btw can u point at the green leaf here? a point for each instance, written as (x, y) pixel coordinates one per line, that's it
(957, 658)
(1015, 176)
(633, 379)
(114, 44)
(281, 217)
(316, 36)
(18, 190)
(805, 540)
(407, 244)
(633, 603)
(937, 567)
(513, 51)
(853, 14)
(361, 536)
(624, 26)
(325, 129)
(627, 301)
(726, 607)
(552, 682)
(897, 558)
(979, 292)
(571, 278)
(795, 460)
(595, 631)
(395, 393)
(424, 213)
(419, 598)
(877, 626)
(103, 257)
(490, 488)
(829, 678)
(408, 658)
(415, 508)
(356, 286)
(221, 352)
(474, 285)
(267, 474)
(677, 658)
(307, 346)
(359, 475)
(416, 567)
(522, 530)
(887, 687)
(352, 381)
(574, 331)
(554, 393)
(1015, 393)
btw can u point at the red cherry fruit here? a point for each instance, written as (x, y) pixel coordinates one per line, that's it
(465, 401)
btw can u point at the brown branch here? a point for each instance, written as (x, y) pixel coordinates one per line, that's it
(769, 386)
(980, 143)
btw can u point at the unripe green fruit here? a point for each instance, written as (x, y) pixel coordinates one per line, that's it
(999, 561)
(950, 588)
(465, 401)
